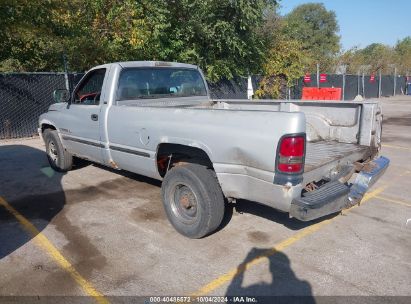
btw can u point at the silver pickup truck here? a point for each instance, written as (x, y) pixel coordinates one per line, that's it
(307, 158)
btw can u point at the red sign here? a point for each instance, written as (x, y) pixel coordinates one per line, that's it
(307, 78)
(372, 78)
(323, 77)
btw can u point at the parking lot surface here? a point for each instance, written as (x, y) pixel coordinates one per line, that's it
(100, 233)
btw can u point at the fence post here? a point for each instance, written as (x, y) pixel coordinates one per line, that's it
(395, 81)
(343, 87)
(318, 75)
(66, 72)
(379, 83)
(363, 85)
(358, 82)
(66, 81)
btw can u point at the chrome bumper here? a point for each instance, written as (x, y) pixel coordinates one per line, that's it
(335, 196)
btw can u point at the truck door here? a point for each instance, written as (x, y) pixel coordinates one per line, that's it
(80, 120)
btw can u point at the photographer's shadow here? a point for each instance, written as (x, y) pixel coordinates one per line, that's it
(284, 285)
(29, 187)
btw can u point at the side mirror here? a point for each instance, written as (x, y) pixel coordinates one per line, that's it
(61, 95)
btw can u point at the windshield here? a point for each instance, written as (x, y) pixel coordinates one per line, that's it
(136, 83)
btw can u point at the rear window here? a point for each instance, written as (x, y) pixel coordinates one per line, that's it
(139, 83)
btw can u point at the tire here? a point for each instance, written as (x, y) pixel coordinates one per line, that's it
(59, 158)
(193, 200)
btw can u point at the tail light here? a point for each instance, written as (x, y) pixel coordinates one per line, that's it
(290, 158)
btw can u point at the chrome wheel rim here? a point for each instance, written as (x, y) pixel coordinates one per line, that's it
(184, 203)
(53, 152)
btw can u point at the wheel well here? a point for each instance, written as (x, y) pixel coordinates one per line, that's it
(47, 126)
(168, 155)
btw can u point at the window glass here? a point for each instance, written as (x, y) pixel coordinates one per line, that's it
(136, 83)
(89, 90)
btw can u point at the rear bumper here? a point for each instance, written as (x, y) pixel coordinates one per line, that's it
(335, 196)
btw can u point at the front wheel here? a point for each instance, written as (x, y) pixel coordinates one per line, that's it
(59, 158)
(193, 200)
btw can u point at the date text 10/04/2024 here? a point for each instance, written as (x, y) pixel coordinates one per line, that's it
(203, 299)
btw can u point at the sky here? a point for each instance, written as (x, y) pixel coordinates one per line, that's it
(363, 22)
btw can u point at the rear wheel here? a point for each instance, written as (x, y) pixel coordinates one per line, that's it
(59, 158)
(193, 200)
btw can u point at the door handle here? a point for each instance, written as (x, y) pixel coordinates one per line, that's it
(94, 117)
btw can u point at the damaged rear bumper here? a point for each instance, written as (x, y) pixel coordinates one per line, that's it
(335, 196)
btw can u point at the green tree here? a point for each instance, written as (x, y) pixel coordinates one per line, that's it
(221, 36)
(284, 65)
(403, 56)
(27, 34)
(352, 59)
(102, 31)
(316, 29)
(376, 56)
(285, 61)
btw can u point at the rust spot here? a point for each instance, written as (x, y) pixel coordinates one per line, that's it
(184, 201)
(162, 162)
(368, 167)
(310, 187)
(358, 166)
(113, 164)
(374, 148)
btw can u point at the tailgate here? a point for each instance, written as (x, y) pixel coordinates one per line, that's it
(324, 156)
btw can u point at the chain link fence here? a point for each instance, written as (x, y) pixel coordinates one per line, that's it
(235, 88)
(352, 85)
(24, 96)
